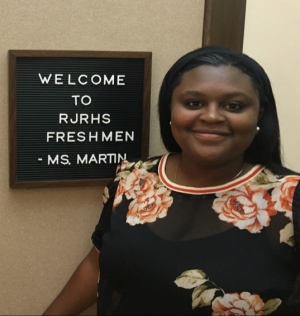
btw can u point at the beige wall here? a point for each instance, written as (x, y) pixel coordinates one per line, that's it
(272, 37)
(44, 233)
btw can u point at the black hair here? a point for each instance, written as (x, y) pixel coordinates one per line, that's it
(265, 148)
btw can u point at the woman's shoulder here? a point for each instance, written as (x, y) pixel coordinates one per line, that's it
(280, 191)
(278, 183)
(266, 175)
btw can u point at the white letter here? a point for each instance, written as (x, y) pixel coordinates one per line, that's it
(112, 79)
(76, 119)
(53, 161)
(96, 83)
(50, 135)
(63, 117)
(127, 135)
(70, 137)
(75, 97)
(95, 136)
(95, 118)
(81, 136)
(45, 79)
(106, 138)
(57, 79)
(120, 80)
(93, 159)
(61, 136)
(118, 136)
(69, 80)
(89, 100)
(120, 158)
(83, 83)
(112, 156)
(64, 160)
(84, 117)
(82, 161)
(106, 118)
(101, 157)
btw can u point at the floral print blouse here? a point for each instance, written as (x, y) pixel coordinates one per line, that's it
(167, 249)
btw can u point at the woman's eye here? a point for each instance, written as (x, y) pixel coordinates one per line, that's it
(234, 106)
(193, 103)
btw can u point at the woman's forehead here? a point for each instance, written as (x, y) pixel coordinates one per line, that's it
(223, 76)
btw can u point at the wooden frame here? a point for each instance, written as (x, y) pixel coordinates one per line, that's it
(13, 57)
(224, 22)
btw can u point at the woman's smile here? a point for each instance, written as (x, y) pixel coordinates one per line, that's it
(210, 135)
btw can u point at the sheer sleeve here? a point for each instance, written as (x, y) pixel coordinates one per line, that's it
(103, 225)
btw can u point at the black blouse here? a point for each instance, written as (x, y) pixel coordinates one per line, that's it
(168, 249)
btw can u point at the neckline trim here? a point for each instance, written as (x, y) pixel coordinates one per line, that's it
(207, 190)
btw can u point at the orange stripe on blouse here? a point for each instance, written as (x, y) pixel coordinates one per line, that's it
(184, 189)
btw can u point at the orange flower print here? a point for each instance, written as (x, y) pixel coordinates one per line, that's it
(226, 304)
(140, 182)
(119, 193)
(238, 304)
(283, 194)
(245, 207)
(146, 208)
(150, 199)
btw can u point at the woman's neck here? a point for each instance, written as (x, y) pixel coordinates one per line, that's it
(188, 172)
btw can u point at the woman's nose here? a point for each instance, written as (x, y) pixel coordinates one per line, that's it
(211, 113)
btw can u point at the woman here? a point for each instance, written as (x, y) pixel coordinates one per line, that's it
(207, 229)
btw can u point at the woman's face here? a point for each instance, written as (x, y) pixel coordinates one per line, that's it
(214, 114)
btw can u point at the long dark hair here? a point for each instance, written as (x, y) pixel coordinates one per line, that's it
(265, 148)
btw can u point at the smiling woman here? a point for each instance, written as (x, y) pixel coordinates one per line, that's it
(212, 227)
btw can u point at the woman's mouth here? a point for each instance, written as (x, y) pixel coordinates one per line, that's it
(210, 135)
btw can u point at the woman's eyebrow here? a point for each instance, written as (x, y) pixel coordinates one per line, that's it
(237, 94)
(194, 93)
(191, 93)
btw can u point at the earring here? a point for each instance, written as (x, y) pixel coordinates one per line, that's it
(257, 129)
(170, 123)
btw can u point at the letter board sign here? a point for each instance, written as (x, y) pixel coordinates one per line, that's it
(74, 115)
